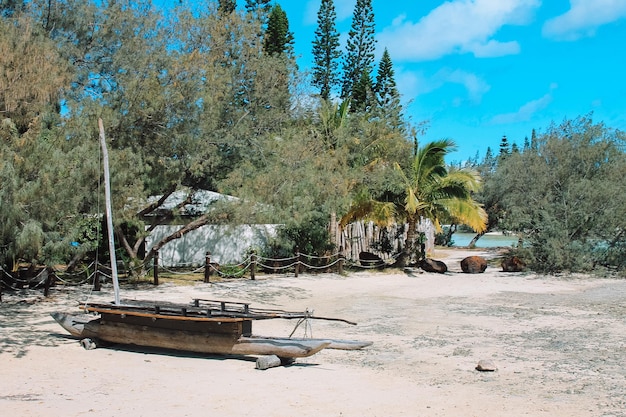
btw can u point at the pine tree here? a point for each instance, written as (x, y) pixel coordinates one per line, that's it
(227, 6)
(504, 146)
(360, 47)
(533, 141)
(363, 97)
(278, 39)
(326, 50)
(387, 95)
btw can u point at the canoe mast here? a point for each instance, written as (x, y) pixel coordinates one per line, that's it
(109, 213)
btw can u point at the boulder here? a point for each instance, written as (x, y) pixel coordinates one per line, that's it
(513, 264)
(432, 265)
(474, 265)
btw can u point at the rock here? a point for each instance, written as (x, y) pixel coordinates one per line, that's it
(370, 259)
(474, 265)
(267, 361)
(486, 365)
(513, 264)
(88, 344)
(432, 265)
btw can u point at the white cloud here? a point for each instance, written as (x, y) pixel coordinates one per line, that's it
(494, 48)
(475, 86)
(343, 8)
(458, 26)
(414, 84)
(583, 18)
(525, 112)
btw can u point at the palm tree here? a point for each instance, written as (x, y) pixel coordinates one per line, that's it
(430, 190)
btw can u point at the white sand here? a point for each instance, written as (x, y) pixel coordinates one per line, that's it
(559, 344)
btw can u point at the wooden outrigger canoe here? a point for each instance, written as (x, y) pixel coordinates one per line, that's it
(204, 326)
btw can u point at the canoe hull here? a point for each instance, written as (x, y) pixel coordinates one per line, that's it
(219, 336)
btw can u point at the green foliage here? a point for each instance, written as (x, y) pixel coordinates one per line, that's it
(361, 43)
(387, 95)
(308, 236)
(326, 50)
(278, 39)
(426, 189)
(188, 99)
(363, 97)
(227, 6)
(567, 198)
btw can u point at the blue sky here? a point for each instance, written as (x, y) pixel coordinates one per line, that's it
(478, 70)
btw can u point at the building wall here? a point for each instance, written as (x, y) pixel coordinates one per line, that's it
(227, 244)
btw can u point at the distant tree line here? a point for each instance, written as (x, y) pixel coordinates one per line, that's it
(561, 193)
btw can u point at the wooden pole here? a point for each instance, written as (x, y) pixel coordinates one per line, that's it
(207, 267)
(155, 267)
(109, 212)
(253, 266)
(47, 283)
(297, 262)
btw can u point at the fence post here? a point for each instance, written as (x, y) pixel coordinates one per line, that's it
(47, 283)
(342, 259)
(207, 267)
(253, 266)
(155, 266)
(297, 262)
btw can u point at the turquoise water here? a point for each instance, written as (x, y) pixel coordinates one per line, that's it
(487, 241)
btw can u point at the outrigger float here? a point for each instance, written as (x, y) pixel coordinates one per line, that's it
(203, 326)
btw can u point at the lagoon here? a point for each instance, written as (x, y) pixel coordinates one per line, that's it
(489, 240)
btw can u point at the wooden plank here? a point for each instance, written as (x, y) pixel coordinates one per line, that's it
(112, 311)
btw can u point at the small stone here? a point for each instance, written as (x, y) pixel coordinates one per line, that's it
(486, 366)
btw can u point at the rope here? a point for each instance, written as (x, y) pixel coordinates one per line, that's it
(171, 271)
(307, 324)
(291, 265)
(277, 259)
(320, 267)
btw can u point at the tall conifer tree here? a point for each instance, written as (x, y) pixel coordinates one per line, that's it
(326, 50)
(360, 47)
(387, 94)
(278, 39)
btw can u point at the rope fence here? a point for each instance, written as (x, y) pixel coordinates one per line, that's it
(96, 273)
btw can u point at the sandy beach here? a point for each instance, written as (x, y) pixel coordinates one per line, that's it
(559, 344)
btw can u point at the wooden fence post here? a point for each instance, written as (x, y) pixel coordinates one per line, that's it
(253, 266)
(342, 259)
(207, 267)
(47, 282)
(155, 266)
(297, 262)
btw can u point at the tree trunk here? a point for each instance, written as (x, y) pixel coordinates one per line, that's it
(409, 244)
(472, 243)
(199, 222)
